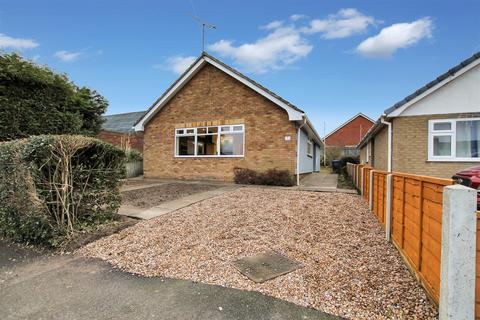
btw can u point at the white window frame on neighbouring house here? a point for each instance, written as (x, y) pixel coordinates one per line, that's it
(452, 133)
(222, 130)
(310, 148)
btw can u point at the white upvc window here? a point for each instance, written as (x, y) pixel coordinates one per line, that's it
(210, 141)
(454, 140)
(309, 148)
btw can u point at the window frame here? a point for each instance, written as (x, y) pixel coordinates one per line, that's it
(452, 133)
(309, 148)
(218, 134)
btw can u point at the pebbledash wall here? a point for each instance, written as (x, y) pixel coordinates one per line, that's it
(410, 147)
(212, 97)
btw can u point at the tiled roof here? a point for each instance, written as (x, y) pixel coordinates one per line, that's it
(204, 54)
(122, 122)
(429, 85)
(375, 128)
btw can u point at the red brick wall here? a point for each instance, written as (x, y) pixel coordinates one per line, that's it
(134, 140)
(351, 133)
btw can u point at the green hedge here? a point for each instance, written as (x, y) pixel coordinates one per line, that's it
(54, 185)
(36, 100)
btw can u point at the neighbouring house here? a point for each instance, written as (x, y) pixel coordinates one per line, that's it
(118, 130)
(214, 119)
(346, 137)
(435, 131)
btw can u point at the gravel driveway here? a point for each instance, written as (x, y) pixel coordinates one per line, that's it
(349, 269)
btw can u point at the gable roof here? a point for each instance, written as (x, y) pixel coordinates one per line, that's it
(434, 85)
(421, 93)
(122, 122)
(348, 121)
(294, 113)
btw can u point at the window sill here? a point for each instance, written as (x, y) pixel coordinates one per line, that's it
(208, 157)
(454, 160)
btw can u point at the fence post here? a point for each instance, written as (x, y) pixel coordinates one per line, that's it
(362, 171)
(370, 194)
(388, 213)
(457, 271)
(355, 175)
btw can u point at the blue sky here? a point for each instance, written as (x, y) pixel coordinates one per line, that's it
(333, 59)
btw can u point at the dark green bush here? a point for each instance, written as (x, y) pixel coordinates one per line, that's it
(246, 176)
(350, 159)
(271, 177)
(53, 186)
(133, 155)
(275, 177)
(35, 100)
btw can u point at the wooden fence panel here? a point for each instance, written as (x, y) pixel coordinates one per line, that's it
(398, 209)
(134, 169)
(366, 182)
(358, 183)
(379, 195)
(417, 225)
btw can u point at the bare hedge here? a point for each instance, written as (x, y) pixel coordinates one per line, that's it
(54, 185)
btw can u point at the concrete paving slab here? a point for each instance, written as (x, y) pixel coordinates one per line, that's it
(320, 180)
(169, 206)
(266, 266)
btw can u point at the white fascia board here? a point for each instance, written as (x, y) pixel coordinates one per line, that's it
(293, 115)
(312, 132)
(398, 112)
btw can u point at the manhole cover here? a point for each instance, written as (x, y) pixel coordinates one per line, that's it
(265, 266)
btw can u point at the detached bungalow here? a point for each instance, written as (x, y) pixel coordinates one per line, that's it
(213, 119)
(435, 131)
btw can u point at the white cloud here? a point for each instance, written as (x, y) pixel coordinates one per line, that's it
(273, 25)
(177, 64)
(281, 47)
(396, 36)
(345, 23)
(7, 42)
(296, 17)
(66, 56)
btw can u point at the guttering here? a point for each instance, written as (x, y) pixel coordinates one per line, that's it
(389, 143)
(298, 149)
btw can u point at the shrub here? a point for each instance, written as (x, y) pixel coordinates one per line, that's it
(35, 100)
(133, 155)
(274, 177)
(350, 159)
(333, 153)
(52, 186)
(245, 176)
(271, 177)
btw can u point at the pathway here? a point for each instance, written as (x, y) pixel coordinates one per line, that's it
(169, 206)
